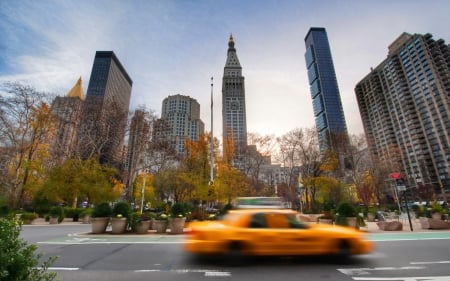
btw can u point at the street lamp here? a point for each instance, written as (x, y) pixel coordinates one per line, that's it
(142, 192)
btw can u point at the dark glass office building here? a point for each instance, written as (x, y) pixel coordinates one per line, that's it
(327, 106)
(106, 109)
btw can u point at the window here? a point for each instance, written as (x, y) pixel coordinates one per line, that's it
(258, 221)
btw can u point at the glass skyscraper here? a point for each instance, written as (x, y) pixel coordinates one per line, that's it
(326, 100)
(106, 110)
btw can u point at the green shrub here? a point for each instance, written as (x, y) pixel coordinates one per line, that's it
(102, 210)
(86, 212)
(4, 211)
(136, 218)
(177, 210)
(57, 212)
(18, 260)
(121, 208)
(28, 217)
(346, 209)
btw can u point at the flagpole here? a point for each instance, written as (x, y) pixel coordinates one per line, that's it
(211, 180)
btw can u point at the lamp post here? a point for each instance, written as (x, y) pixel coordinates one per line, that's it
(142, 192)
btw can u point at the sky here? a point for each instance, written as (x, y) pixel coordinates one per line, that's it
(171, 47)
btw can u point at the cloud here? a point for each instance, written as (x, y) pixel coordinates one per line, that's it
(170, 47)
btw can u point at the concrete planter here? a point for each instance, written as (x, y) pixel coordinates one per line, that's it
(118, 225)
(177, 225)
(371, 217)
(352, 222)
(325, 221)
(143, 227)
(159, 225)
(86, 219)
(53, 220)
(436, 216)
(98, 225)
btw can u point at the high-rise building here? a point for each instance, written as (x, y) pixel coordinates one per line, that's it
(106, 110)
(138, 139)
(326, 100)
(234, 118)
(182, 115)
(405, 109)
(67, 110)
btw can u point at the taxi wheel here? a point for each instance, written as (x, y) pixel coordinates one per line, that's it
(344, 251)
(234, 255)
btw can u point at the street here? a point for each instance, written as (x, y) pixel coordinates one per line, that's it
(405, 256)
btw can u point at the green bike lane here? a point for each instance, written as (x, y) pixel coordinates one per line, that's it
(86, 238)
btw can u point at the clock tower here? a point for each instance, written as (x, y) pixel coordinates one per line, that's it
(234, 118)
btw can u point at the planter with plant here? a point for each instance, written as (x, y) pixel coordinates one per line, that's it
(28, 217)
(327, 213)
(120, 214)
(160, 223)
(85, 215)
(437, 210)
(346, 215)
(56, 214)
(100, 217)
(177, 218)
(371, 214)
(141, 223)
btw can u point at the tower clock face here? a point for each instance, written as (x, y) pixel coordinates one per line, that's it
(234, 105)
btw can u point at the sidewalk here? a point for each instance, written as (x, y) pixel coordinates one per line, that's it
(371, 227)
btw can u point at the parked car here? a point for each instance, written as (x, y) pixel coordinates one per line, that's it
(273, 232)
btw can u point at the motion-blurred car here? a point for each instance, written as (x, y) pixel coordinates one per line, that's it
(273, 232)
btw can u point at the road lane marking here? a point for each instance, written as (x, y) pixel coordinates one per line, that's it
(429, 262)
(63, 268)
(206, 272)
(366, 271)
(419, 278)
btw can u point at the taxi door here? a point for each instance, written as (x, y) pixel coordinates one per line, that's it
(291, 238)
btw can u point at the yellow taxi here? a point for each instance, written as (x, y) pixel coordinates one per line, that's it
(273, 232)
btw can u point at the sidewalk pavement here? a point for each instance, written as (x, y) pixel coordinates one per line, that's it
(370, 227)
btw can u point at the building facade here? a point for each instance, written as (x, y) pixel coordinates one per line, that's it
(138, 139)
(182, 115)
(234, 120)
(105, 110)
(326, 99)
(67, 110)
(405, 109)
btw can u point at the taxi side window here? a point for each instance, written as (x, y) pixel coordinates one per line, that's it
(277, 221)
(258, 221)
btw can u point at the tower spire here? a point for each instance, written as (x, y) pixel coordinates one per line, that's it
(77, 90)
(231, 41)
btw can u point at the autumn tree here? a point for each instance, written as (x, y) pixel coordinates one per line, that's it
(144, 188)
(289, 157)
(26, 127)
(360, 168)
(101, 131)
(139, 146)
(258, 155)
(160, 153)
(300, 156)
(230, 183)
(84, 179)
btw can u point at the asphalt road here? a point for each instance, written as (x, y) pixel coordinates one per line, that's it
(398, 256)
